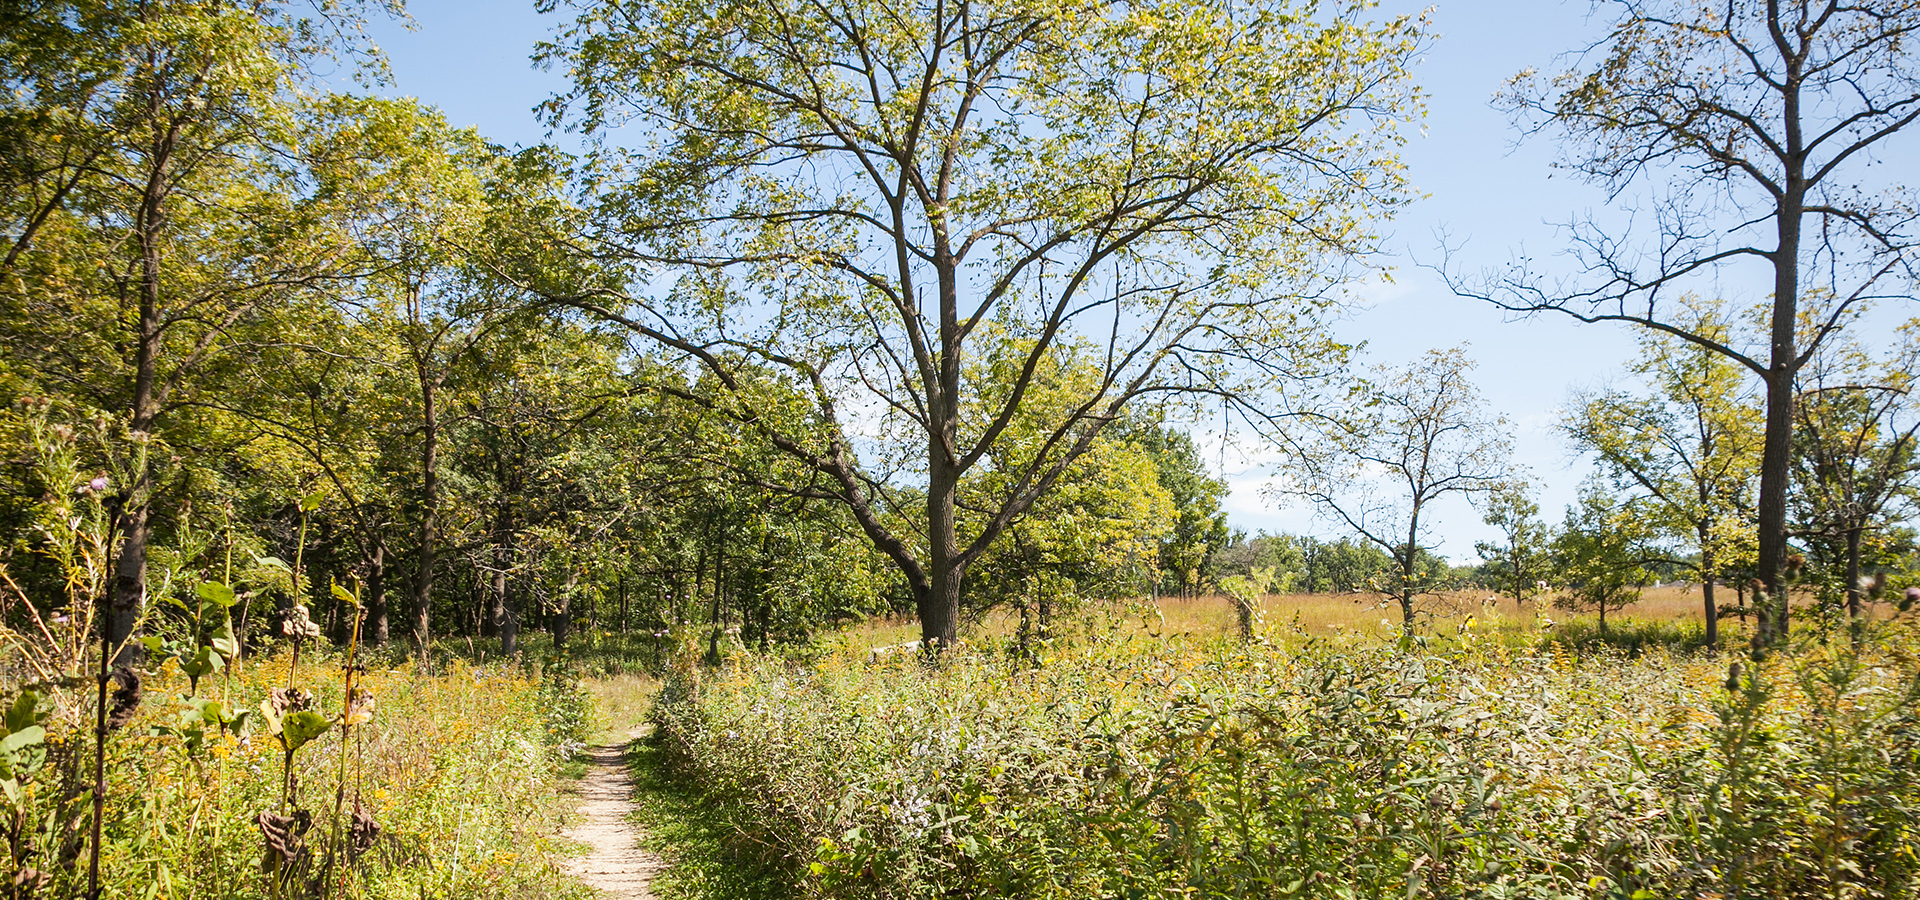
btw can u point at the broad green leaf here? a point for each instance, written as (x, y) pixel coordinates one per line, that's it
(345, 596)
(24, 713)
(217, 593)
(311, 502)
(224, 641)
(25, 737)
(24, 750)
(301, 727)
(202, 663)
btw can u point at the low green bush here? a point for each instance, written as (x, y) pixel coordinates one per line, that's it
(1630, 636)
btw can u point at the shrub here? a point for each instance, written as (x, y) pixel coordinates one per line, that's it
(1153, 768)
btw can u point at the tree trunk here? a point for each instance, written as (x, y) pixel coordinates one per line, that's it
(938, 604)
(129, 583)
(1777, 444)
(563, 611)
(1706, 586)
(714, 618)
(429, 507)
(1407, 554)
(376, 629)
(136, 527)
(503, 619)
(1853, 573)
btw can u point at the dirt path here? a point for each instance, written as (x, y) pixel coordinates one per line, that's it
(616, 866)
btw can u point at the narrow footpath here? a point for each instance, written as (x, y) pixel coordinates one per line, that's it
(616, 866)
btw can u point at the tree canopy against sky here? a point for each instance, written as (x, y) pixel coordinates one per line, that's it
(867, 196)
(157, 208)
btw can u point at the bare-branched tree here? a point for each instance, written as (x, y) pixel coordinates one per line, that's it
(1758, 123)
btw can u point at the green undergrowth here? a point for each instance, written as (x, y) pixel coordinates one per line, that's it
(710, 856)
(1632, 636)
(1142, 767)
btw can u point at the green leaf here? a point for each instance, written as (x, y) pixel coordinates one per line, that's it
(345, 596)
(202, 663)
(224, 641)
(24, 750)
(311, 502)
(299, 728)
(218, 594)
(24, 713)
(25, 737)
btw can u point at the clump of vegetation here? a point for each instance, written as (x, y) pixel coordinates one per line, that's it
(1630, 636)
(1144, 767)
(443, 789)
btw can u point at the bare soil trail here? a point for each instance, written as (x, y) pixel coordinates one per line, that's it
(616, 866)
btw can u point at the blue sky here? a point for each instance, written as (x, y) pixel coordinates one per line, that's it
(470, 59)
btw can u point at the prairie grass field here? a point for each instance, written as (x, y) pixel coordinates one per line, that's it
(1671, 611)
(1149, 753)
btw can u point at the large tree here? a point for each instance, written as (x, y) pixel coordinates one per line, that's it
(868, 196)
(1759, 119)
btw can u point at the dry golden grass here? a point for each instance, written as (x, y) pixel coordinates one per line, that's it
(1372, 612)
(621, 703)
(1365, 613)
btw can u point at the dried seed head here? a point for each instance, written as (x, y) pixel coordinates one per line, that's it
(289, 700)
